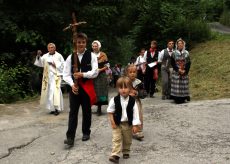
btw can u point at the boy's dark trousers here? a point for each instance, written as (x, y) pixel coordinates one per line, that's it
(166, 81)
(150, 83)
(75, 101)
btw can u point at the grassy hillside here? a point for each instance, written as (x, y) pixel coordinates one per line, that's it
(210, 69)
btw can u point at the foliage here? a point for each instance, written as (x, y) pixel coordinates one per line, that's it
(227, 4)
(225, 17)
(29, 37)
(12, 88)
(122, 26)
(213, 9)
(163, 20)
(125, 45)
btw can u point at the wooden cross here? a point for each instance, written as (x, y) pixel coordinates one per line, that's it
(73, 27)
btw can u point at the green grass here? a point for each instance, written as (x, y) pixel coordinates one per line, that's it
(210, 69)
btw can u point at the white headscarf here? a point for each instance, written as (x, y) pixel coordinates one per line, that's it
(98, 43)
(182, 41)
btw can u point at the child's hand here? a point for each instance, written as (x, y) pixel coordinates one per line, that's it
(133, 92)
(140, 126)
(114, 126)
(135, 129)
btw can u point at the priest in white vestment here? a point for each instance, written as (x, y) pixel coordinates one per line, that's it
(51, 94)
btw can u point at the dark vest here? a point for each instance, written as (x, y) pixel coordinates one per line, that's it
(166, 61)
(85, 64)
(149, 58)
(118, 110)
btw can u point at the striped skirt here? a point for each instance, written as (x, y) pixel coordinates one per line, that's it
(179, 85)
(101, 88)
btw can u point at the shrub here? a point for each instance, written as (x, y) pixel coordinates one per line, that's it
(11, 83)
(199, 30)
(225, 18)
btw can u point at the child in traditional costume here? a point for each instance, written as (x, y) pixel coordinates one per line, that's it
(124, 118)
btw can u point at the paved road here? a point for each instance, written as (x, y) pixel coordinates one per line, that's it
(216, 26)
(191, 133)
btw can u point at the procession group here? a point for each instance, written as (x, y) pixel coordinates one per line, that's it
(86, 74)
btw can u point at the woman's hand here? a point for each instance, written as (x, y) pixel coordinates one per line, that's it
(181, 72)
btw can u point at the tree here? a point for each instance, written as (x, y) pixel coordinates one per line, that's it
(163, 20)
(123, 27)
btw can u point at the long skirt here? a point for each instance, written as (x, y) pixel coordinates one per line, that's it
(179, 87)
(101, 88)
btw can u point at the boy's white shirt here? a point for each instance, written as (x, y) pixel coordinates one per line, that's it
(124, 103)
(67, 73)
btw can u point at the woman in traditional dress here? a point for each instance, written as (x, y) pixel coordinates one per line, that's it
(180, 61)
(100, 83)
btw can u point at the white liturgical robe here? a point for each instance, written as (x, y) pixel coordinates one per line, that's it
(51, 94)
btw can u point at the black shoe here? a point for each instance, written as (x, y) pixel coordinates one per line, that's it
(125, 156)
(169, 97)
(188, 98)
(179, 100)
(85, 137)
(69, 141)
(114, 159)
(56, 112)
(52, 112)
(151, 95)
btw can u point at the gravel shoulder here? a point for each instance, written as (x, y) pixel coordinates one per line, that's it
(194, 132)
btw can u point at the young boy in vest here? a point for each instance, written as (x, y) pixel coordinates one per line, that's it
(124, 118)
(80, 67)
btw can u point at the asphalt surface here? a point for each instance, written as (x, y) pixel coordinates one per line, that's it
(197, 132)
(216, 26)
